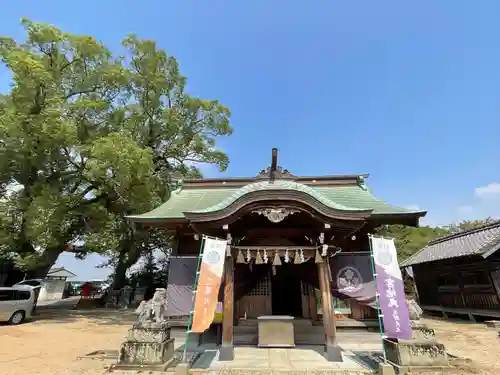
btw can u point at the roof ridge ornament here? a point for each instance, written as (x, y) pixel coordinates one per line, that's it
(274, 164)
(362, 184)
(275, 172)
(178, 186)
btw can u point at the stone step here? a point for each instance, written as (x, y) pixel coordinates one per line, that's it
(304, 338)
(305, 330)
(254, 323)
(246, 339)
(299, 339)
(263, 370)
(246, 329)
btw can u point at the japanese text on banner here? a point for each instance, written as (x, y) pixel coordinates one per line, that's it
(391, 289)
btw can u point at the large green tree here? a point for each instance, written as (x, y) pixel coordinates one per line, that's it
(179, 130)
(64, 91)
(86, 138)
(410, 239)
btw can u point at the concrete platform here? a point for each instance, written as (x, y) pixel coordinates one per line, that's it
(303, 359)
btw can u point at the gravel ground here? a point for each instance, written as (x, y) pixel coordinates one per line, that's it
(473, 341)
(51, 344)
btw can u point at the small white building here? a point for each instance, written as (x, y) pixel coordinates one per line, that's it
(52, 286)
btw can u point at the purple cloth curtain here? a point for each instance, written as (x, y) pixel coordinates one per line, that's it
(181, 277)
(352, 277)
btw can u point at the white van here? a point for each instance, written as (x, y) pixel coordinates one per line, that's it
(16, 303)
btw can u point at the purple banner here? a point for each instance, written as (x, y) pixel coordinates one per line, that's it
(181, 275)
(352, 277)
(391, 290)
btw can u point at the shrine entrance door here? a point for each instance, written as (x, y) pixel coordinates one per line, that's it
(286, 291)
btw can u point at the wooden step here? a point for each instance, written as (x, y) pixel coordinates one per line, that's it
(245, 329)
(345, 322)
(306, 338)
(310, 339)
(245, 339)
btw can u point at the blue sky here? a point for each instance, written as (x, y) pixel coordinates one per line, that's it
(406, 91)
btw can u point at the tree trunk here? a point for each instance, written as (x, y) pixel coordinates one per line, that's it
(127, 258)
(48, 260)
(119, 277)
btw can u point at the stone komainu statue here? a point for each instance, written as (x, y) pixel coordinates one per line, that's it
(414, 309)
(154, 310)
(143, 312)
(160, 305)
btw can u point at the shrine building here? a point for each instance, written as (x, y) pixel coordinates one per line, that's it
(282, 231)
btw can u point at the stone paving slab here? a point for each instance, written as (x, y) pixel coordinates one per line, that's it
(300, 359)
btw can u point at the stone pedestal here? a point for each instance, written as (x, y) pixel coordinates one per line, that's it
(276, 332)
(422, 351)
(420, 332)
(333, 353)
(147, 347)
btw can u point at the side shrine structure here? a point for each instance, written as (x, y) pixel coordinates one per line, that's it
(277, 225)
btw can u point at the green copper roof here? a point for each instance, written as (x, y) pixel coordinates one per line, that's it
(340, 197)
(275, 185)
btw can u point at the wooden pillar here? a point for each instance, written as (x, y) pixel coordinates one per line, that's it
(495, 280)
(332, 350)
(226, 351)
(313, 306)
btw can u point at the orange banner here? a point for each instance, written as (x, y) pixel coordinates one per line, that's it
(209, 281)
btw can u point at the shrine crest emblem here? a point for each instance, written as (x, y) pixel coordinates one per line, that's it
(349, 280)
(384, 257)
(213, 257)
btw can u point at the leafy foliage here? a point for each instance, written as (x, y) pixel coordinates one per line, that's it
(153, 273)
(409, 239)
(87, 137)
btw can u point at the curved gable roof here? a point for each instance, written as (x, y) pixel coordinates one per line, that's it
(341, 197)
(284, 185)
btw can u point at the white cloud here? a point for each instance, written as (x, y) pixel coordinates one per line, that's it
(487, 191)
(486, 204)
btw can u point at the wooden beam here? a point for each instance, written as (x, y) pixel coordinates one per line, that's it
(177, 238)
(271, 232)
(332, 350)
(226, 351)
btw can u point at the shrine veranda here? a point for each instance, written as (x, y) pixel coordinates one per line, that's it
(283, 231)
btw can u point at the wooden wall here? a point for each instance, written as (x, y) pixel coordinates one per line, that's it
(360, 312)
(471, 283)
(187, 245)
(257, 302)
